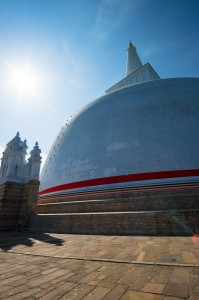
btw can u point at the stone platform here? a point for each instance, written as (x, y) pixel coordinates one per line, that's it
(63, 266)
(162, 212)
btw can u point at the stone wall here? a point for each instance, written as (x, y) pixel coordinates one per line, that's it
(139, 194)
(122, 223)
(18, 202)
(130, 201)
(165, 212)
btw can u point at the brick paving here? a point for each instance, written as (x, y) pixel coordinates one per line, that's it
(63, 266)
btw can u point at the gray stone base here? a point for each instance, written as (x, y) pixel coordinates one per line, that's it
(166, 212)
(122, 223)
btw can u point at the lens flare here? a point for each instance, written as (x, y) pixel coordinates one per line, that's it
(195, 238)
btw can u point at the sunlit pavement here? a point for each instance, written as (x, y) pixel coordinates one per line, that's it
(63, 266)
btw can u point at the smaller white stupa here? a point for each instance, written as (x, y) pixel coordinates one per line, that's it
(14, 167)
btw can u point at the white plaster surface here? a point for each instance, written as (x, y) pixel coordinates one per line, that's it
(145, 73)
(147, 127)
(133, 61)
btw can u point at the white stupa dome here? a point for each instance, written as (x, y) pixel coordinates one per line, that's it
(142, 135)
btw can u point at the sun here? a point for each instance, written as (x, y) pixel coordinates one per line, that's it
(24, 81)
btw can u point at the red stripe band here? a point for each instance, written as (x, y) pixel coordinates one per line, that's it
(122, 178)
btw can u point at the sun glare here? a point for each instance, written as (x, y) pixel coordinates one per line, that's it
(24, 81)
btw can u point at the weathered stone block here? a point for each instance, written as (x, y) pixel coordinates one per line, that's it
(18, 202)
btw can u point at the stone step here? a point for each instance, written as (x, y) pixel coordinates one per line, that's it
(117, 205)
(181, 222)
(180, 193)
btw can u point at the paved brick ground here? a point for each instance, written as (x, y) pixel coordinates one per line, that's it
(59, 266)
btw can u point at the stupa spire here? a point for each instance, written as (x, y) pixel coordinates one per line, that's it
(133, 61)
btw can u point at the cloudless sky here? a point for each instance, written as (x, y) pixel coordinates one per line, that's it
(68, 52)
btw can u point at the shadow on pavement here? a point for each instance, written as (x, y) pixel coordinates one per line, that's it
(9, 239)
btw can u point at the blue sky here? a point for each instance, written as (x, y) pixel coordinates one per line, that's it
(67, 53)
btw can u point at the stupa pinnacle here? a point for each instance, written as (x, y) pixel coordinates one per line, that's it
(136, 72)
(133, 61)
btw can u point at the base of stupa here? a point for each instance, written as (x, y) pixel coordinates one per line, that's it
(163, 212)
